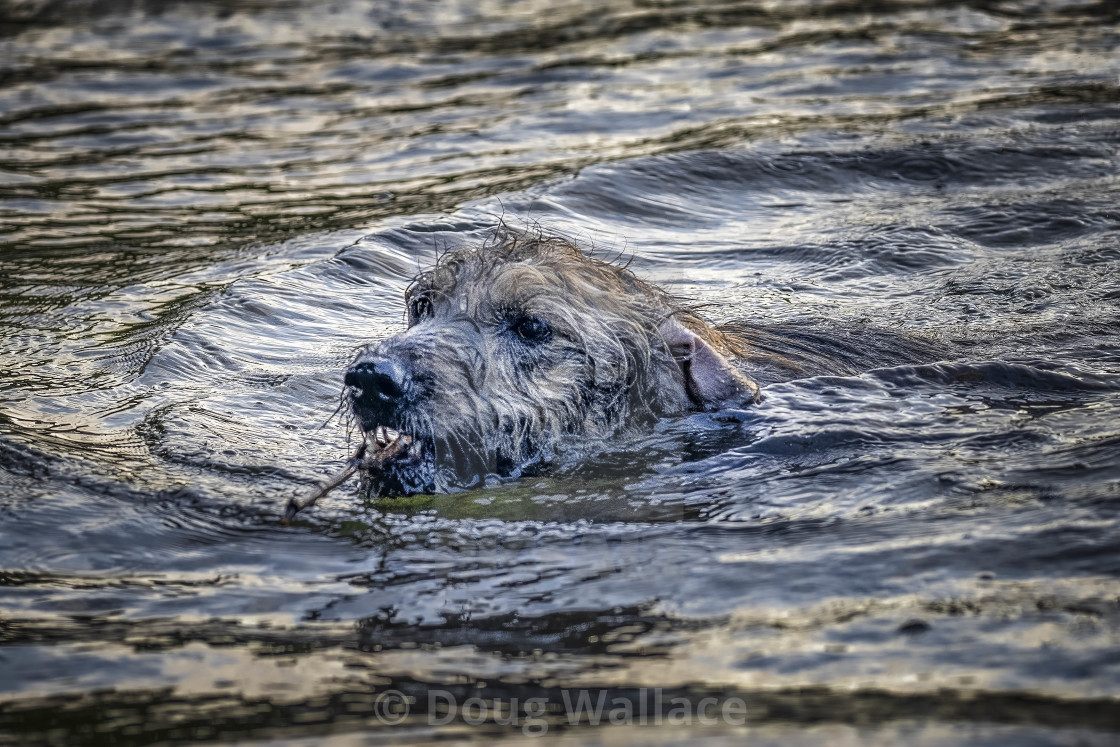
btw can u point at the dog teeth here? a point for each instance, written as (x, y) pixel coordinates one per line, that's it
(387, 446)
(385, 437)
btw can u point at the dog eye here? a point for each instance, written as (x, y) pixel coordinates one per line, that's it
(420, 308)
(531, 329)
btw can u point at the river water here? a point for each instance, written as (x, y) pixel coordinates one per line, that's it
(207, 206)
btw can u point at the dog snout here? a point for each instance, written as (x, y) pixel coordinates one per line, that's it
(377, 381)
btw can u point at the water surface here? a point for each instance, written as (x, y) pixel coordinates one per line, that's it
(206, 207)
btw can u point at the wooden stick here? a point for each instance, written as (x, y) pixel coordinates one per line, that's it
(294, 506)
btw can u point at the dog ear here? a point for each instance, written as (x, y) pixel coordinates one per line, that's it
(709, 379)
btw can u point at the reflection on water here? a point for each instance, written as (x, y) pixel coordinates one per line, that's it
(205, 207)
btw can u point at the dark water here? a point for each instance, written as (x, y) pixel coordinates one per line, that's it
(206, 207)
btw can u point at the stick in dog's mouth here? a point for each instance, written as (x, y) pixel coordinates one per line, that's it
(352, 464)
(388, 444)
(392, 444)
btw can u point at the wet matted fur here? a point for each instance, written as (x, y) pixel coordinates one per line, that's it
(519, 347)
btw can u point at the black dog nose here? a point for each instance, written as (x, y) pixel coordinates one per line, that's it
(379, 378)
